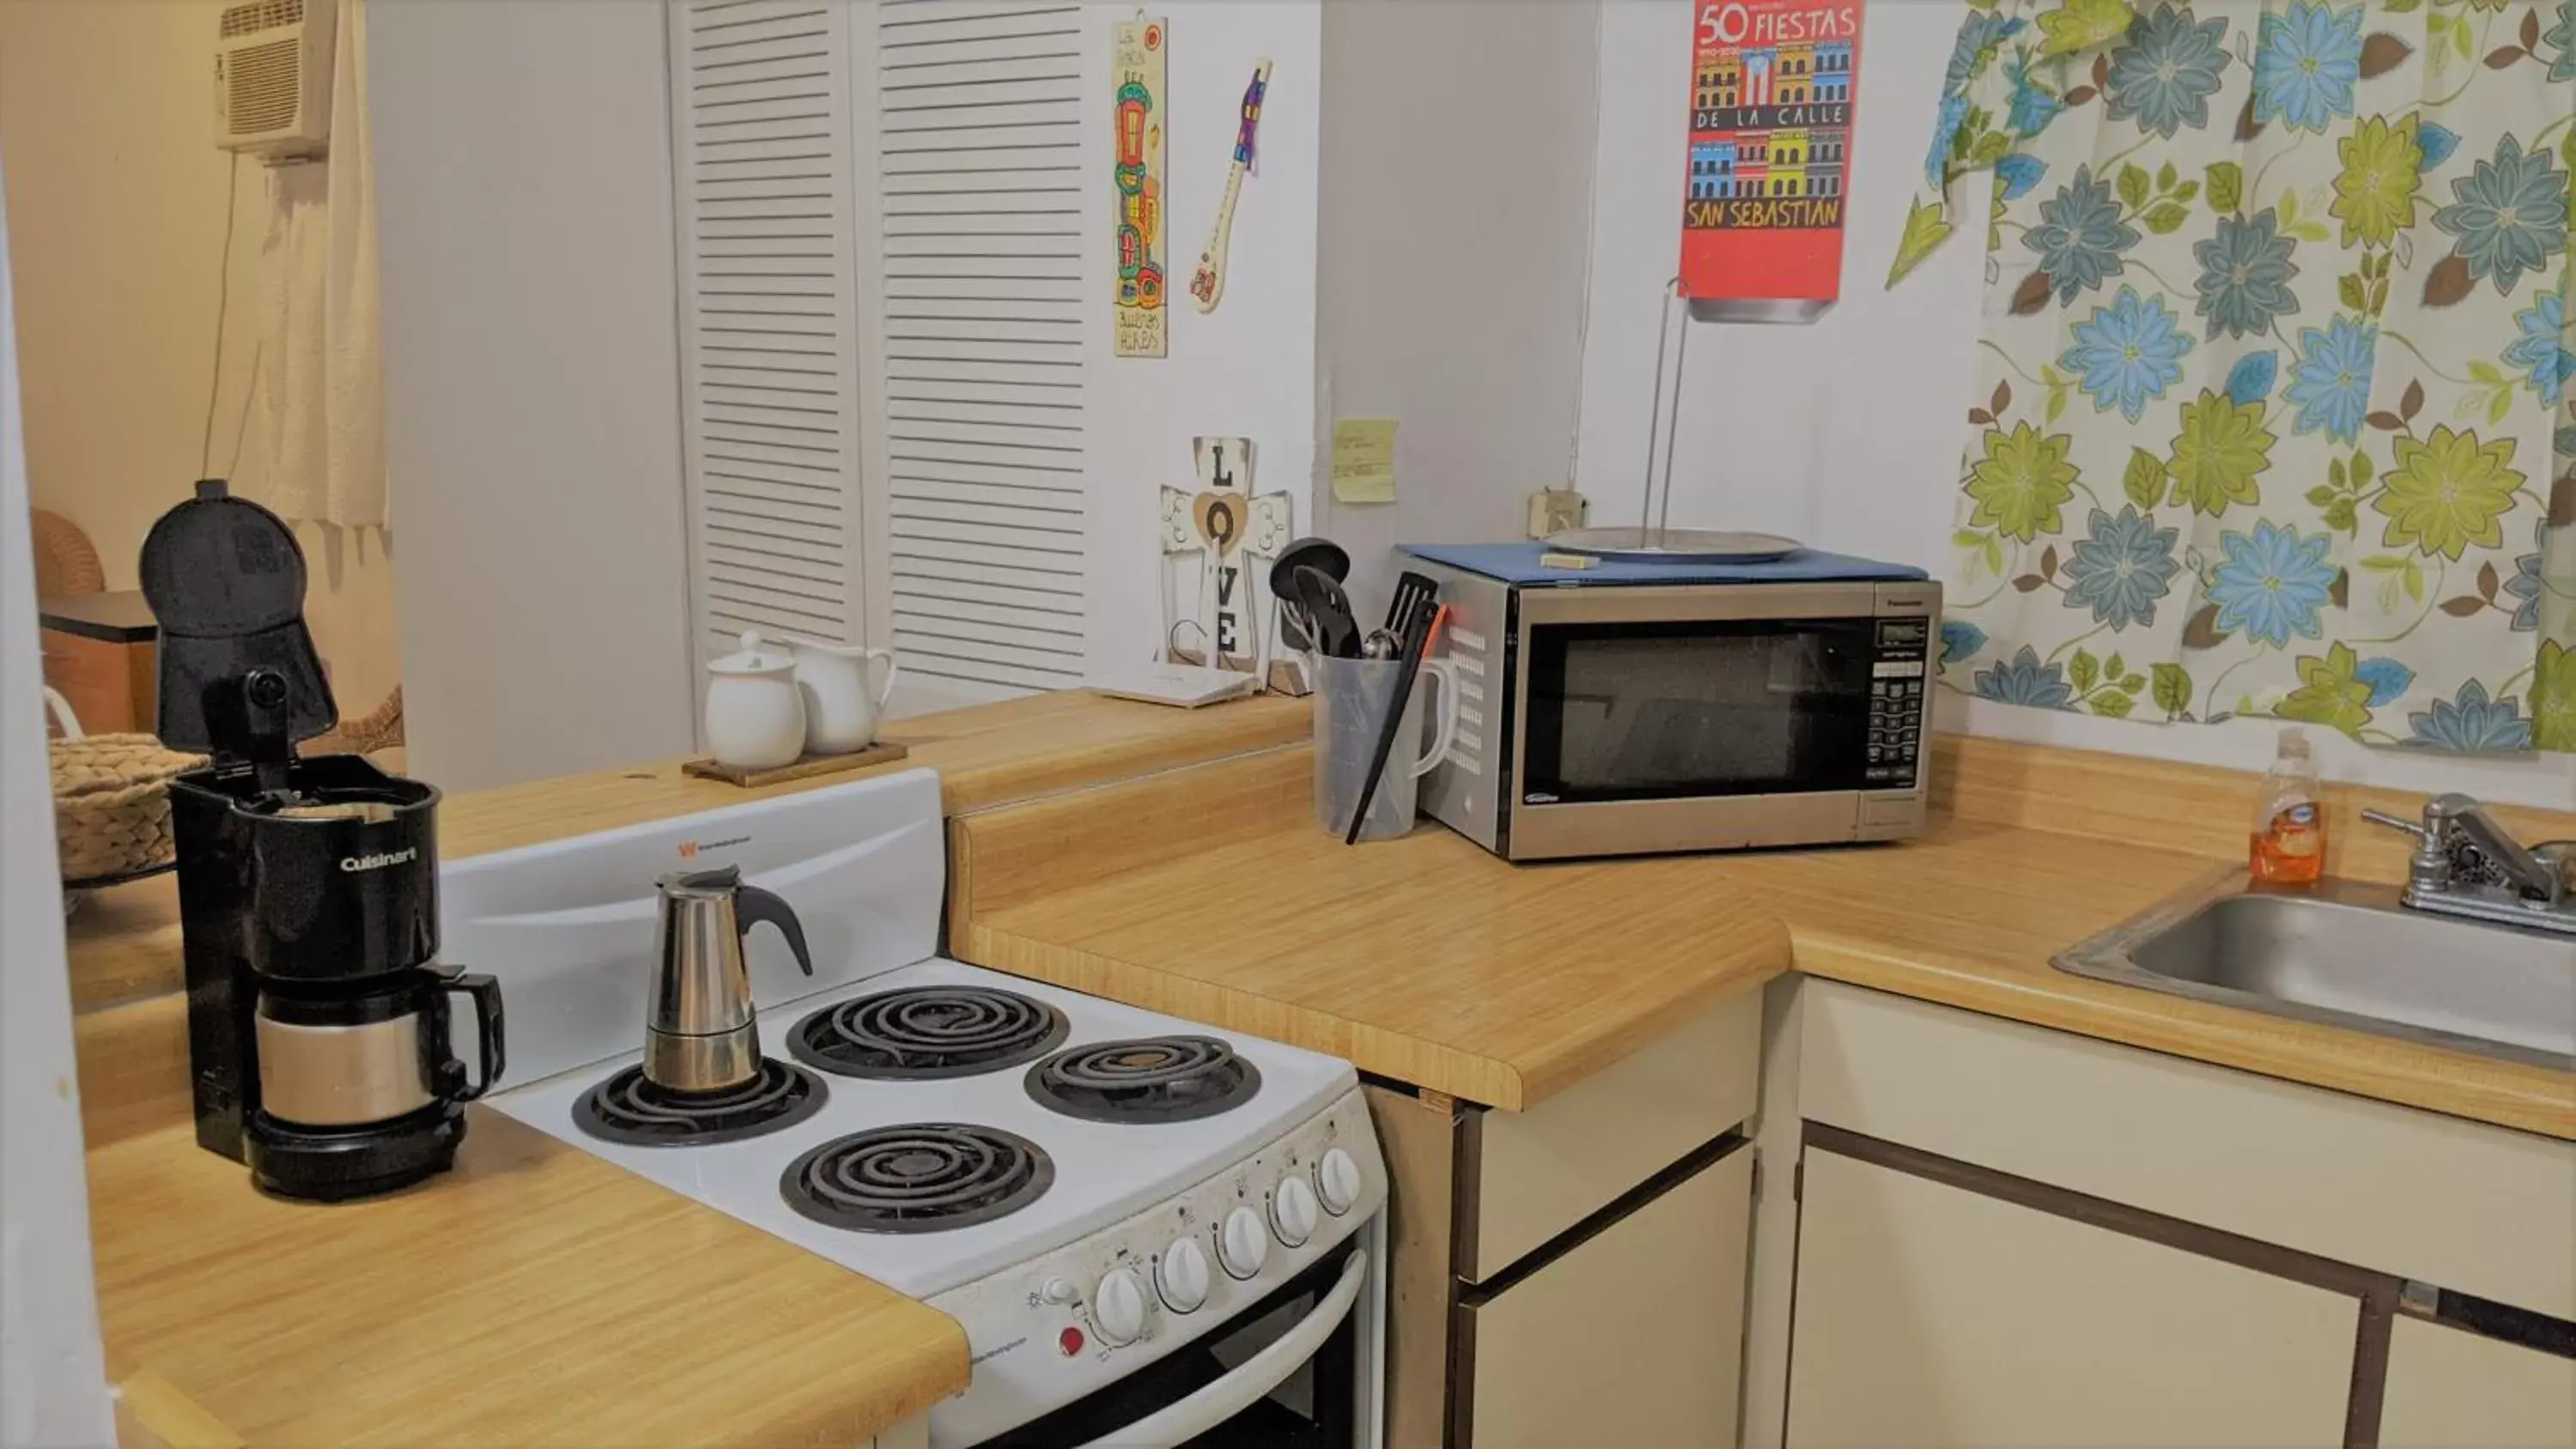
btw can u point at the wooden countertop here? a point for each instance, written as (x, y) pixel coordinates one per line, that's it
(1211, 895)
(537, 1295)
(1432, 962)
(534, 1296)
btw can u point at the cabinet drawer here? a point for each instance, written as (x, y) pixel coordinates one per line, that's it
(1539, 1172)
(1634, 1337)
(2362, 1182)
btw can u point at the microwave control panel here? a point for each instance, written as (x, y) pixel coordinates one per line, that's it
(1900, 679)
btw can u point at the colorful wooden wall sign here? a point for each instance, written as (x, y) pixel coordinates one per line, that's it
(1137, 49)
(1772, 88)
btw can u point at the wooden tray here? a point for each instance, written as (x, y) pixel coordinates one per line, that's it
(883, 752)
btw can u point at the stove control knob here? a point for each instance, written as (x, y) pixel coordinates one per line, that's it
(1292, 1211)
(1118, 1307)
(1243, 1243)
(1182, 1276)
(1337, 1180)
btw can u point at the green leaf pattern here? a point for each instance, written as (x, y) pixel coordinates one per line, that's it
(2278, 379)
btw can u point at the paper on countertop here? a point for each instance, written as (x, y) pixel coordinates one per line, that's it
(1364, 460)
(1186, 685)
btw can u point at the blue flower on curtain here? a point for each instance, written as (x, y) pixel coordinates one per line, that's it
(2027, 681)
(2330, 388)
(2273, 584)
(2387, 679)
(2472, 724)
(2511, 216)
(1960, 640)
(2562, 38)
(2128, 353)
(2080, 235)
(2018, 173)
(2121, 568)
(2305, 65)
(2033, 105)
(1945, 134)
(2168, 70)
(1975, 49)
(2541, 352)
(2245, 272)
(2524, 586)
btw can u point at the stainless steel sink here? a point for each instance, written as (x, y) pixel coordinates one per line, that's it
(2347, 954)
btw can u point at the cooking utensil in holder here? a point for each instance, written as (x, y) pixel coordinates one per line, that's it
(1351, 701)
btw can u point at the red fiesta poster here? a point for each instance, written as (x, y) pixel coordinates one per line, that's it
(1772, 86)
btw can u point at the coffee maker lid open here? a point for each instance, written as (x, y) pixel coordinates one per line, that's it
(239, 675)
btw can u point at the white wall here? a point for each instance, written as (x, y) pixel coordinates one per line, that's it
(53, 1375)
(106, 119)
(1247, 368)
(531, 384)
(1847, 434)
(1456, 168)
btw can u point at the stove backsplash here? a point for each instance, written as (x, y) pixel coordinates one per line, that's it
(567, 926)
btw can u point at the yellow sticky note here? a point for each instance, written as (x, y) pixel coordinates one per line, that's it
(1364, 460)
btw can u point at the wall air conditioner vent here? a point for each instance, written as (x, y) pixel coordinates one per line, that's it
(273, 78)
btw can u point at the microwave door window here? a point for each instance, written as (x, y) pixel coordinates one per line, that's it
(1648, 711)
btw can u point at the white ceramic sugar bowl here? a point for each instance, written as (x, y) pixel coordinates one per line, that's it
(755, 716)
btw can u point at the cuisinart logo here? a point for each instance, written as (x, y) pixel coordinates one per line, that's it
(690, 849)
(355, 863)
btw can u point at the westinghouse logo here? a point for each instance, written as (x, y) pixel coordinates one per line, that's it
(356, 863)
(692, 849)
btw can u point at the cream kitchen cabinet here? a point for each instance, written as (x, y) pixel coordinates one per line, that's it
(1632, 1337)
(1932, 1315)
(1575, 1273)
(2001, 1234)
(2451, 1389)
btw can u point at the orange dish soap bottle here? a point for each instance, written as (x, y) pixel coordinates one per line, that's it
(2289, 846)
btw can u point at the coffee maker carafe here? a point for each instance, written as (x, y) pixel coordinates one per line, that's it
(318, 1029)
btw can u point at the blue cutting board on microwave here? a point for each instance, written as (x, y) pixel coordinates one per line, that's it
(1518, 564)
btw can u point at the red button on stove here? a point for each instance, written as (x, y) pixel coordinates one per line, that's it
(1070, 1341)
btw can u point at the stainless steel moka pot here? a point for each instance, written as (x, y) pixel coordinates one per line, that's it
(700, 1034)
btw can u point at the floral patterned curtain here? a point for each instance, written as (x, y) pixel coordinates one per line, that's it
(2278, 405)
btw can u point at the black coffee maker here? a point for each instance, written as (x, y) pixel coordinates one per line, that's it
(318, 1034)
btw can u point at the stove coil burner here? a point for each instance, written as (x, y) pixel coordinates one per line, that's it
(917, 1179)
(628, 1108)
(1151, 1079)
(927, 1032)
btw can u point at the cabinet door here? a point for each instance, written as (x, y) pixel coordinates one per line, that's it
(2451, 1389)
(1633, 1337)
(1930, 1315)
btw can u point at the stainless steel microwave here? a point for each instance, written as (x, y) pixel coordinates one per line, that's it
(1640, 708)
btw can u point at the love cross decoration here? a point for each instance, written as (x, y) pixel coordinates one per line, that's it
(1229, 529)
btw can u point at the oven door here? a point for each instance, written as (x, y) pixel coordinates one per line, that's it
(1294, 1371)
(1691, 718)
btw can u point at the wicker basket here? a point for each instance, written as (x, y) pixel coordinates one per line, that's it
(112, 804)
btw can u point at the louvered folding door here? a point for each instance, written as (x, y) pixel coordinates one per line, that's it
(881, 238)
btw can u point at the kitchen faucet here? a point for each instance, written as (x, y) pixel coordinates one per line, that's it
(2468, 865)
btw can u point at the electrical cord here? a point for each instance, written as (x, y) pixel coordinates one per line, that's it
(223, 307)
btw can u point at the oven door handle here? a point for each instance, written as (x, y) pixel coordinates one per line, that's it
(1251, 1381)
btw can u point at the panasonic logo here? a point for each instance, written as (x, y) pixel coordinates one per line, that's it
(355, 863)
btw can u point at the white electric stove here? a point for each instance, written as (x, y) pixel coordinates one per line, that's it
(1151, 1231)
